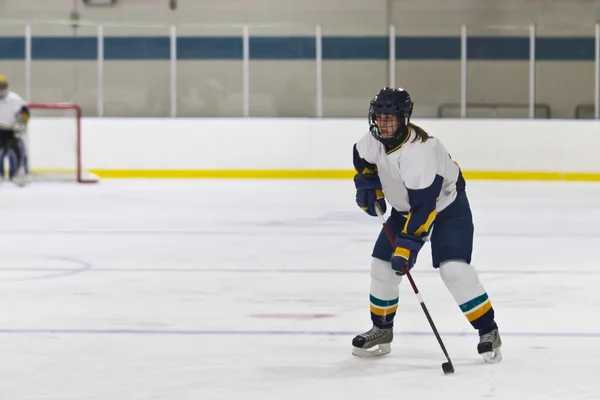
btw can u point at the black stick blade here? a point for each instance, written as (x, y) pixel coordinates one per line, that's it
(448, 368)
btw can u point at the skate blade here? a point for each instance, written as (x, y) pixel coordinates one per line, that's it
(493, 357)
(375, 351)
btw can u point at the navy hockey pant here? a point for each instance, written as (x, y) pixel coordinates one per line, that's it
(451, 238)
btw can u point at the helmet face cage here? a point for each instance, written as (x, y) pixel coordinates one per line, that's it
(390, 102)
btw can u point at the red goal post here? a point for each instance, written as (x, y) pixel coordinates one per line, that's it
(54, 143)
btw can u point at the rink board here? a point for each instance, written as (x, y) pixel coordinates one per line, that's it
(322, 148)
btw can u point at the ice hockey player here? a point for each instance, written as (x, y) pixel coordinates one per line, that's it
(14, 116)
(399, 162)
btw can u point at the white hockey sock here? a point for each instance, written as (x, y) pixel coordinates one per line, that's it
(384, 292)
(462, 281)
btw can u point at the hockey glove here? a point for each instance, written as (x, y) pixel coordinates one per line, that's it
(20, 128)
(368, 192)
(405, 253)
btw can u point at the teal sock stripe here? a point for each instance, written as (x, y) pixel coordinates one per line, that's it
(383, 303)
(471, 304)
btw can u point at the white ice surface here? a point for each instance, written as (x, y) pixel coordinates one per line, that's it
(248, 290)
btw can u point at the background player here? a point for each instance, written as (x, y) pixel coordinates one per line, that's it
(14, 116)
(400, 162)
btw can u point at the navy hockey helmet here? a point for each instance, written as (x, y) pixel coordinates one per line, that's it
(389, 115)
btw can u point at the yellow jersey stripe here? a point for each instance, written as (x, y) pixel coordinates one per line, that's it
(425, 227)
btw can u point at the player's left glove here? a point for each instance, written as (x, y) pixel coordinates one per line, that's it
(20, 128)
(405, 253)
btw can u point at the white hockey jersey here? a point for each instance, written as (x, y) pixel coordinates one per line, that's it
(418, 178)
(10, 107)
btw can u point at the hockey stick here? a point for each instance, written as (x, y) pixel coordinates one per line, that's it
(447, 367)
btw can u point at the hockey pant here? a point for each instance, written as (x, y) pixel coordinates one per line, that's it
(14, 149)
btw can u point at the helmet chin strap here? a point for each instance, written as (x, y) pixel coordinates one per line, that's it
(397, 139)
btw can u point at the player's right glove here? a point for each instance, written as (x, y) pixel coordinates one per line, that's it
(369, 192)
(405, 253)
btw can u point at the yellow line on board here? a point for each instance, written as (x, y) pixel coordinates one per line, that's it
(227, 174)
(329, 174)
(531, 176)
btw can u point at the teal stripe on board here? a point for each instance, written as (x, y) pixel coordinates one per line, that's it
(383, 303)
(498, 48)
(471, 304)
(283, 48)
(209, 48)
(61, 48)
(347, 48)
(136, 48)
(427, 48)
(12, 48)
(557, 49)
(488, 48)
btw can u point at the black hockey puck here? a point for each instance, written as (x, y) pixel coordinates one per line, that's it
(448, 368)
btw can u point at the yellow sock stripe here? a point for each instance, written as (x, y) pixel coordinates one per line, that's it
(382, 312)
(478, 313)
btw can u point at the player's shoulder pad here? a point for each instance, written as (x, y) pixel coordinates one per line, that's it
(418, 164)
(16, 98)
(367, 148)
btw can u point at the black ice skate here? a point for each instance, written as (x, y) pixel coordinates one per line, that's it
(489, 347)
(375, 342)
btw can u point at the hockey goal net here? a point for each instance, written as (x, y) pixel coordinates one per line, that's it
(54, 143)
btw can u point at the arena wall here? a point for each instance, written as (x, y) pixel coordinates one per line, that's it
(136, 70)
